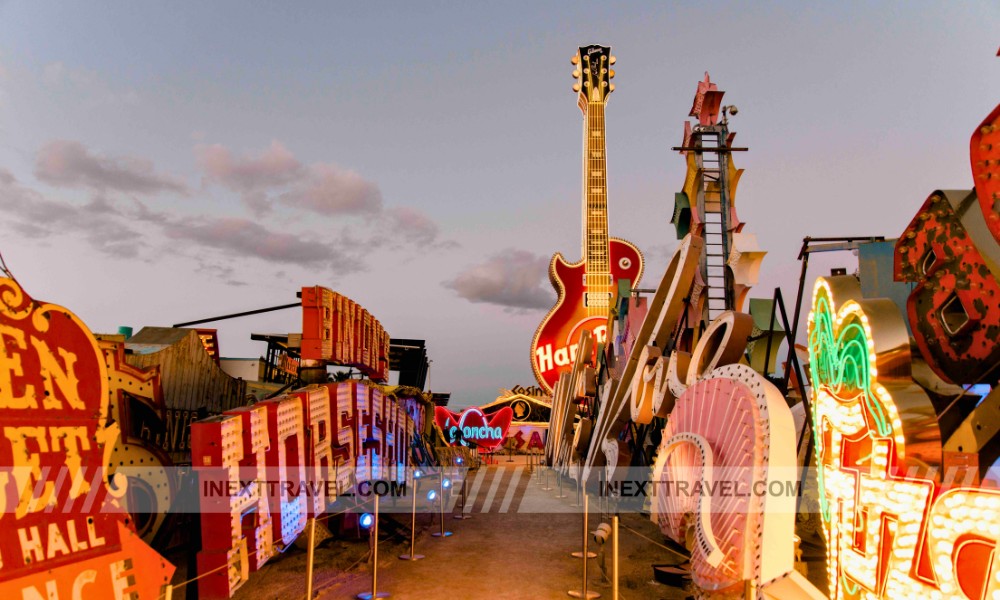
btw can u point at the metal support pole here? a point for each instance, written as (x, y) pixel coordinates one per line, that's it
(584, 593)
(545, 486)
(461, 516)
(559, 479)
(579, 492)
(442, 533)
(614, 557)
(310, 558)
(374, 593)
(586, 509)
(413, 525)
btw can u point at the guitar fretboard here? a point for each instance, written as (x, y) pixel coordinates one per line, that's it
(595, 210)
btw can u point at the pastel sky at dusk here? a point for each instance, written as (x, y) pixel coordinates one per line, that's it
(166, 162)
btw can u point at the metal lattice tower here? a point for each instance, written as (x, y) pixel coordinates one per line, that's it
(712, 159)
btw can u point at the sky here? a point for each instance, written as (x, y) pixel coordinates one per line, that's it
(167, 162)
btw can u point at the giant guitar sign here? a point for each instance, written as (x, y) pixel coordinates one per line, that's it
(586, 288)
(64, 533)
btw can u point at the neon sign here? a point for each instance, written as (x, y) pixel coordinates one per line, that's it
(471, 428)
(896, 527)
(314, 439)
(68, 534)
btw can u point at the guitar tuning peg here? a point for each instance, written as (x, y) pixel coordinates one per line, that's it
(611, 74)
(611, 88)
(613, 59)
(576, 73)
(575, 60)
(576, 87)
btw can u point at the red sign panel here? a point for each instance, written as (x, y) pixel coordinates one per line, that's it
(63, 530)
(471, 428)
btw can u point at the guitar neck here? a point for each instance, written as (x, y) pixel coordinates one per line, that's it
(595, 197)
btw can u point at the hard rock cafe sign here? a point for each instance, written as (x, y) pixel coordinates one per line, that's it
(64, 533)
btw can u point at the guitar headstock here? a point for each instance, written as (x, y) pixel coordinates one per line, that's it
(592, 66)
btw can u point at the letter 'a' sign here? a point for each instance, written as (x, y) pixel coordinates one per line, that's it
(63, 530)
(471, 428)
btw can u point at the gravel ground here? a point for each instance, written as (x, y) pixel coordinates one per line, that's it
(515, 555)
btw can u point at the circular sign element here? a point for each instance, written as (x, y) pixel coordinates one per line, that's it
(522, 410)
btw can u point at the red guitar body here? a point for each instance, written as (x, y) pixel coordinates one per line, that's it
(554, 347)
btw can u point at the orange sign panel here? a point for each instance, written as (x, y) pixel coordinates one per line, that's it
(337, 330)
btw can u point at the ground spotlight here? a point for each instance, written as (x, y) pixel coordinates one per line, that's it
(417, 474)
(432, 495)
(366, 520)
(602, 533)
(446, 483)
(459, 460)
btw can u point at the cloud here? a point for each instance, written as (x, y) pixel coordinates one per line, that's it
(242, 238)
(514, 279)
(127, 231)
(220, 272)
(275, 166)
(98, 222)
(66, 163)
(329, 190)
(276, 175)
(414, 227)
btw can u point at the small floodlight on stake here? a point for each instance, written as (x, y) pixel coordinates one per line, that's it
(374, 544)
(413, 518)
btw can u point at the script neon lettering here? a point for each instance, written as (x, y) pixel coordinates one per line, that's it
(478, 433)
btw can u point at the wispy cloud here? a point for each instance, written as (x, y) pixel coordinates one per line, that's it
(514, 279)
(330, 190)
(410, 226)
(276, 175)
(67, 163)
(242, 238)
(127, 230)
(98, 221)
(275, 166)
